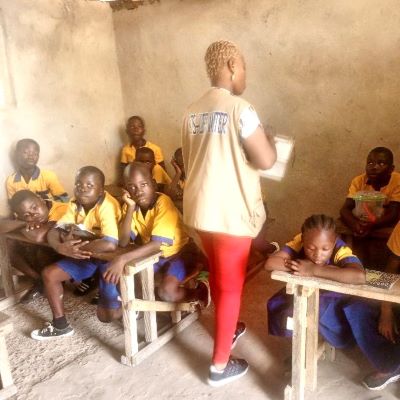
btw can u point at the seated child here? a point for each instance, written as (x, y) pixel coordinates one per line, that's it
(379, 176)
(34, 218)
(146, 156)
(376, 327)
(29, 176)
(153, 218)
(135, 130)
(316, 251)
(175, 188)
(98, 212)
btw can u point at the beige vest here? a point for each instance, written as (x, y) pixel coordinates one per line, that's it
(222, 190)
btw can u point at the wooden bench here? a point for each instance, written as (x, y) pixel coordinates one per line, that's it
(305, 353)
(7, 388)
(135, 352)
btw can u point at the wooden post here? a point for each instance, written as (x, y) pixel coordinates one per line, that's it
(312, 339)
(299, 343)
(5, 266)
(127, 285)
(150, 318)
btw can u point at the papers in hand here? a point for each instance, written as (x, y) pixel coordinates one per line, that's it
(284, 149)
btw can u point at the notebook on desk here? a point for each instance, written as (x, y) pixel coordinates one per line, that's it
(380, 279)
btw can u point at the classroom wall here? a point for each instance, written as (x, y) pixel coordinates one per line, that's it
(63, 66)
(323, 72)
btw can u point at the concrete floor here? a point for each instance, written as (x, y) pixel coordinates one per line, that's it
(86, 365)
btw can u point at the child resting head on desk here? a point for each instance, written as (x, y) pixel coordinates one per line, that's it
(319, 252)
(98, 212)
(152, 217)
(34, 218)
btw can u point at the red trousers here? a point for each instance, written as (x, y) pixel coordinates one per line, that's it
(227, 256)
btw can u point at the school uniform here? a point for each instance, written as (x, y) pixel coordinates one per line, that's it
(103, 220)
(391, 190)
(56, 210)
(128, 153)
(333, 325)
(160, 176)
(163, 223)
(43, 182)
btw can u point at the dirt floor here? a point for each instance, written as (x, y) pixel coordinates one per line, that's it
(86, 365)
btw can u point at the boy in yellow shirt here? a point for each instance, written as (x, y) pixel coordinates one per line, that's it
(29, 176)
(135, 129)
(152, 217)
(379, 176)
(145, 156)
(95, 211)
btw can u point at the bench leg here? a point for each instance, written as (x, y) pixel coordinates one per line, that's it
(150, 318)
(312, 340)
(127, 285)
(6, 273)
(7, 389)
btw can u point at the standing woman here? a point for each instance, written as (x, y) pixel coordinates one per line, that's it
(224, 145)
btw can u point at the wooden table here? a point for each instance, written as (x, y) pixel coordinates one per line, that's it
(305, 324)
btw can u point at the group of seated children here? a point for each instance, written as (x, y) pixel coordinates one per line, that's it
(150, 218)
(318, 251)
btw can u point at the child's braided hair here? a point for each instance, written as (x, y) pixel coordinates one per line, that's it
(318, 221)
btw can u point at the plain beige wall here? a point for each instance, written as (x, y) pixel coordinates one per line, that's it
(63, 65)
(323, 72)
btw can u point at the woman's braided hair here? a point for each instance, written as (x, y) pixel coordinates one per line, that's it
(218, 54)
(318, 221)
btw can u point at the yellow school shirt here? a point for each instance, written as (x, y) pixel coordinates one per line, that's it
(391, 190)
(394, 240)
(163, 223)
(102, 219)
(44, 183)
(128, 153)
(57, 210)
(341, 254)
(160, 176)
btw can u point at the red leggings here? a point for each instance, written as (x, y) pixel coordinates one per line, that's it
(227, 256)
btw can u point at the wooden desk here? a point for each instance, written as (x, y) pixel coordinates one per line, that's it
(305, 324)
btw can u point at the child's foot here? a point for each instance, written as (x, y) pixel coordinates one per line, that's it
(33, 293)
(379, 380)
(203, 289)
(51, 332)
(240, 331)
(235, 368)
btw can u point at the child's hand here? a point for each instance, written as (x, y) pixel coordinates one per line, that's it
(72, 248)
(301, 267)
(361, 228)
(178, 171)
(114, 271)
(126, 197)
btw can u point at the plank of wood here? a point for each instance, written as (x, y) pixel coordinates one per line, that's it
(8, 392)
(5, 368)
(127, 287)
(391, 295)
(5, 266)
(299, 344)
(150, 318)
(312, 339)
(164, 338)
(161, 306)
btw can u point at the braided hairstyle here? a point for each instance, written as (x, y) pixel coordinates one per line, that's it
(318, 221)
(218, 54)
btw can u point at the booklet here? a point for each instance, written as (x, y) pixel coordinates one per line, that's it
(380, 279)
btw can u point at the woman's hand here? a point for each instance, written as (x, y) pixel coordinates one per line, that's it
(301, 267)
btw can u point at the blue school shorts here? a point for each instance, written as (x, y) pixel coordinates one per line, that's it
(174, 265)
(83, 269)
